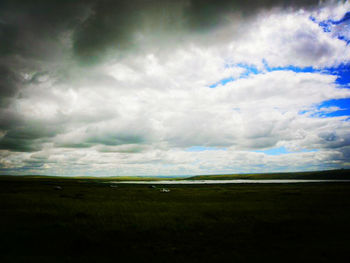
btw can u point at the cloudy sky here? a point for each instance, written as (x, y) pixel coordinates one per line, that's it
(150, 87)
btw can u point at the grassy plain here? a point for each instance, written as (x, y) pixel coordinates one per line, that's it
(89, 221)
(340, 174)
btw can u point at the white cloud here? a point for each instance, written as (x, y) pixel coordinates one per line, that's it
(285, 39)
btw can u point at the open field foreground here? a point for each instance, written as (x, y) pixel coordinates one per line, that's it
(89, 221)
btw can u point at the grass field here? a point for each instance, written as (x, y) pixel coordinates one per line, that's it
(89, 221)
(317, 175)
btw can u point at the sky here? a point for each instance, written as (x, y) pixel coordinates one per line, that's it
(150, 87)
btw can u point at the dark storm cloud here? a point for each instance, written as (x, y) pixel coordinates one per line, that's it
(98, 25)
(204, 14)
(119, 139)
(108, 136)
(9, 82)
(114, 23)
(105, 139)
(29, 38)
(8, 35)
(26, 136)
(32, 28)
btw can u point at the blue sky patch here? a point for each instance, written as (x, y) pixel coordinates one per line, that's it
(291, 68)
(343, 104)
(343, 73)
(345, 18)
(249, 70)
(281, 150)
(274, 151)
(343, 80)
(222, 82)
(327, 25)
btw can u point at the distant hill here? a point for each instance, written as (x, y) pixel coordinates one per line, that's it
(341, 174)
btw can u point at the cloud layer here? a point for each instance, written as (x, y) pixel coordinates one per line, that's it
(157, 87)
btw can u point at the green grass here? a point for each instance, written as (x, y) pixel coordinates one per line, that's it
(89, 221)
(329, 174)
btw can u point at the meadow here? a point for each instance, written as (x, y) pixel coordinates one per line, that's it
(339, 174)
(90, 221)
